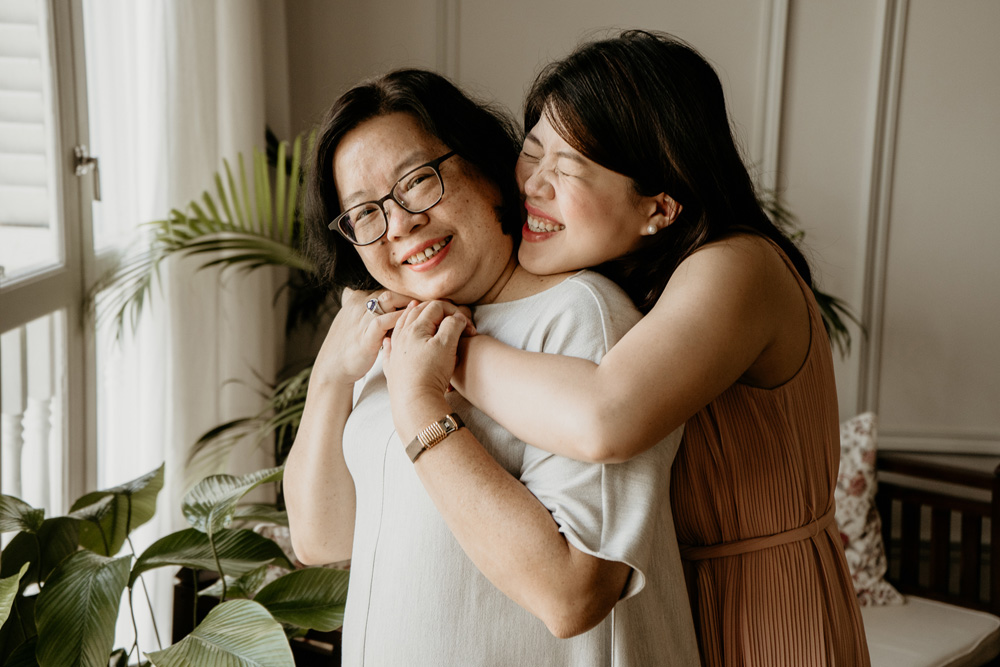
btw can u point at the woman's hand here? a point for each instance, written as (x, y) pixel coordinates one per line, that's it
(355, 336)
(420, 356)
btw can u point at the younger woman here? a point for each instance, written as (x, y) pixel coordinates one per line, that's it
(630, 166)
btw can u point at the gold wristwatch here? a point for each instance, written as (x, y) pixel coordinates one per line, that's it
(433, 434)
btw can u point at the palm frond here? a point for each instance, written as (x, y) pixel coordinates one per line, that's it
(280, 418)
(221, 227)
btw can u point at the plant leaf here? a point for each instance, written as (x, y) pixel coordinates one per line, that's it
(260, 513)
(237, 633)
(58, 538)
(22, 550)
(118, 659)
(8, 592)
(244, 586)
(283, 410)
(15, 514)
(239, 552)
(110, 515)
(262, 190)
(24, 654)
(210, 505)
(77, 610)
(20, 628)
(311, 598)
(280, 182)
(294, 177)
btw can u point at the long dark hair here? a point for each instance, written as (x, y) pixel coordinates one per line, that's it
(482, 135)
(649, 106)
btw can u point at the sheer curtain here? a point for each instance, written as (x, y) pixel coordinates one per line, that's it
(174, 87)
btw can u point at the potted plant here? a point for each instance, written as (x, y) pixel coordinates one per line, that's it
(62, 579)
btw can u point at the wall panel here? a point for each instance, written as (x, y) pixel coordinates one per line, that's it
(940, 360)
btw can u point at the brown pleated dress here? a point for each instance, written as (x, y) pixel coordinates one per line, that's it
(752, 492)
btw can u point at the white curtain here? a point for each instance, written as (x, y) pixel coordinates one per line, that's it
(174, 87)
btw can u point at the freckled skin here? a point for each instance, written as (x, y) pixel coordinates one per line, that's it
(367, 163)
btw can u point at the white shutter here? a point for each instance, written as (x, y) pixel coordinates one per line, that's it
(25, 115)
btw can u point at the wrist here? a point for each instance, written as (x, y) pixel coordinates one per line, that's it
(419, 413)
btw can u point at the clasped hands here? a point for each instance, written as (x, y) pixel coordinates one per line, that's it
(419, 343)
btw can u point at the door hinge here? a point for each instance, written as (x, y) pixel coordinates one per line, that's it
(85, 163)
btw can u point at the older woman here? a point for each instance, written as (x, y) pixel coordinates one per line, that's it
(462, 537)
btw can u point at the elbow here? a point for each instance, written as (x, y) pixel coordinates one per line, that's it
(572, 620)
(306, 553)
(599, 442)
(573, 610)
(315, 551)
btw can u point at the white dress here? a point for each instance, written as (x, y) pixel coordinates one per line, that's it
(415, 599)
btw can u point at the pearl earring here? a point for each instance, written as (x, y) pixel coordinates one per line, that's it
(652, 229)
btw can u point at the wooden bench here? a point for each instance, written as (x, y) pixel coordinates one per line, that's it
(952, 615)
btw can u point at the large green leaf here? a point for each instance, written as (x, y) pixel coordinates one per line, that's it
(23, 655)
(77, 610)
(55, 540)
(244, 586)
(58, 538)
(15, 514)
(238, 633)
(20, 627)
(239, 551)
(110, 515)
(259, 513)
(311, 598)
(8, 592)
(22, 549)
(210, 505)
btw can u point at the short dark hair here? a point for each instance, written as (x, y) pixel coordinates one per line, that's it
(649, 106)
(480, 133)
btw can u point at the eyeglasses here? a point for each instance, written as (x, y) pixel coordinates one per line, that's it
(417, 191)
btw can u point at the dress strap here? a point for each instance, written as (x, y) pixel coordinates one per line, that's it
(810, 530)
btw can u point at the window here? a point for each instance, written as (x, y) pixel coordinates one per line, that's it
(44, 246)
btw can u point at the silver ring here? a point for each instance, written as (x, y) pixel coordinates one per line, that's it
(374, 307)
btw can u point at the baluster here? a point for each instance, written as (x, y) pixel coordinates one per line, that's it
(909, 565)
(971, 564)
(940, 546)
(39, 353)
(13, 399)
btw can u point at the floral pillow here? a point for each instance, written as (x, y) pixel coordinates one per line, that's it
(857, 516)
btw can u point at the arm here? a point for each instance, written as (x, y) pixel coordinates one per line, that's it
(716, 322)
(319, 491)
(509, 535)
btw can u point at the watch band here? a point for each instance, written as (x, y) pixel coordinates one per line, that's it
(433, 434)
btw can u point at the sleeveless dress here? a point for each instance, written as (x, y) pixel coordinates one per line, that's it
(752, 493)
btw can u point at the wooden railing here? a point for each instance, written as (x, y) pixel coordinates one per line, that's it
(939, 487)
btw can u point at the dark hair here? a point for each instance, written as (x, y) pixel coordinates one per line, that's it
(649, 106)
(482, 135)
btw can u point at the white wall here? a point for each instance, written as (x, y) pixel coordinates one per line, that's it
(878, 121)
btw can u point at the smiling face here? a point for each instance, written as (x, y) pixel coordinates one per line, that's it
(580, 214)
(455, 250)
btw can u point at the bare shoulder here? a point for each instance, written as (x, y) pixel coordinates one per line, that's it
(766, 297)
(741, 268)
(737, 253)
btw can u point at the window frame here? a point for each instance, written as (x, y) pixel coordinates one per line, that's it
(64, 286)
